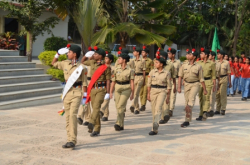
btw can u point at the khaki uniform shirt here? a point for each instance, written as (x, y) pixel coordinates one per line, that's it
(130, 64)
(68, 69)
(170, 67)
(140, 65)
(149, 65)
(162, 78)
(224, 67)
(94, 65)
(89, 74)
(209, 70)
(177, 65)
(184, 62)
(123, 75)
(191, 73)
(217, 69)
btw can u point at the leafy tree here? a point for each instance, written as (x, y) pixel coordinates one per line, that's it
(28, 16)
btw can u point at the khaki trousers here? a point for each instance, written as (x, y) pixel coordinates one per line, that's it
(173, 96)
(157, 97)
(190, 92)
(205, 99)
(138, 82)
(144, 92)
(71, 104)
(105, 108)
(97, 98)
(221, 95)
(213, 96)
(122, 94)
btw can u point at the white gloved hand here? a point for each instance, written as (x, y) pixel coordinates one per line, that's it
(57, 55)
(89, 54)
(63, 51)
(106, 96)
(85, 94)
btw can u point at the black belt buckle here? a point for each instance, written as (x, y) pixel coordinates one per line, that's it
(223, 76)
(207, 78)
(89, 78)
(146, 74)
(139, 74)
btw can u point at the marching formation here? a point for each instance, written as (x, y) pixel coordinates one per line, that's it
(92, 82)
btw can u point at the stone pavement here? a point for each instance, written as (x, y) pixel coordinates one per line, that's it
(34, 136)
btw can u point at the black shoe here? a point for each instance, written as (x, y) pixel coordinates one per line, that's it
(79, 121)
(199, 118)
(185, 124)
(222, 112)
(143, 108)
(248, 97)
(101, 114)
(234, 92)
(232, 95)
(121, 128)
(166, 118)
(132, 109)
(65, 145)
(170, 113)
(204, 116)
(239, 92)
(90, 127)
(104, 119)
(117, 127)
(94, 134)
(227, 95)
(69, 145)
(162, 122)
(152, 133)
(86, 123)
(137, 112)
(210, 114)
(217, 112)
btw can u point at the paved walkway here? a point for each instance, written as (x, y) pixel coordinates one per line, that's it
(34, 136)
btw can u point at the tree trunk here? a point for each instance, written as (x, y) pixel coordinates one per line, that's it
(236, 36)
(29, 53)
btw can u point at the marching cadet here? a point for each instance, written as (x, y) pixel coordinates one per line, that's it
(75, 75)
(105, 106)
(149, 67)
(170, 68)
(209, 73)
(159, 86)
(130, 63)
(177, 65)
(213, 93)
(140, 67)
(98, 89)
(123, 82)
(192, 74)
(225, 78)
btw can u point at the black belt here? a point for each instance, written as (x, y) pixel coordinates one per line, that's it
(207, 78)
(192, 82)
(77, 84)
(146, 74)
(139, 74)
(99, 84)
(89, 78)
(177, 77)
(223, 76)
(123, 83)
(158, 86)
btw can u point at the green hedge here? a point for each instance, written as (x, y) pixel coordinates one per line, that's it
(183, 58)
(54, 43)
(46, 59)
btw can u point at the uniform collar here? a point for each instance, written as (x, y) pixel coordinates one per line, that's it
(139, 59)
(101, 63)
(120, 66)
(163, 70)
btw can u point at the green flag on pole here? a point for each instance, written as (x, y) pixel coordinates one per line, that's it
(216, 43)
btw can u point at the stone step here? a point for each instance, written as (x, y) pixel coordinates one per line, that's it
(17, 65)
(23, 79)
(32, 101)
(28, 86)
(9, 53)
(13, 59)
(8, 96)
(17, 72)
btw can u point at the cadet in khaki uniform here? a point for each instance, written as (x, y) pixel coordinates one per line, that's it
(213, 93)
(73, 97)
(130, 63)
(177, 65)
(209, 73)
(99, 90)
(140, 67)
(225, 77)
(159, 86)
(105, 105)
(149, 67)
(170, 68)
(123, 82)
(192, 74)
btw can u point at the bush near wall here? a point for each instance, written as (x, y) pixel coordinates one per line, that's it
(54, 43)
(183, 58)
(46, 59)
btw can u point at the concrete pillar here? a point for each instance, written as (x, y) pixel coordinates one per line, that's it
(2, 23)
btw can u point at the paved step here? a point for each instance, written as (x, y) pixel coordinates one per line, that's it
(28, 86)
(23, 79)
(17, 72)
(29, 93)
(17, 65)
(33, 101)
(13, 59)
(9, 53)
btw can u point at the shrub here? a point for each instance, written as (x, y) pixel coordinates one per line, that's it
(54, 43)
(46, 59)
(115, 58)
(183, 58)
